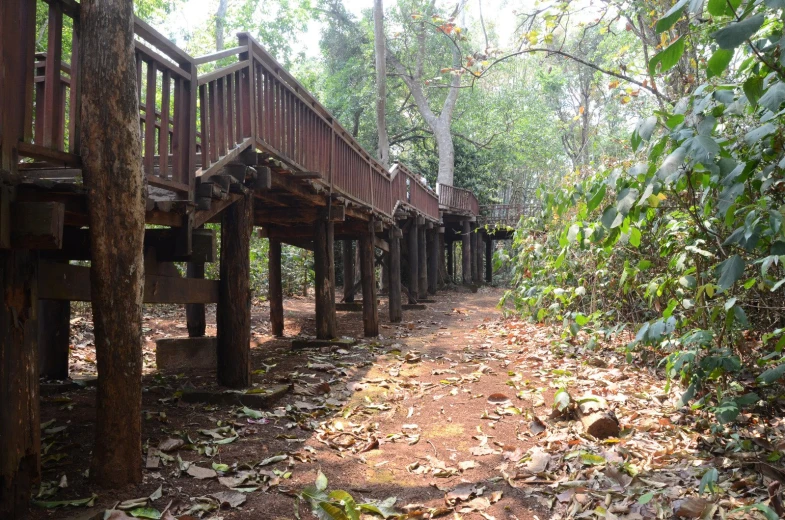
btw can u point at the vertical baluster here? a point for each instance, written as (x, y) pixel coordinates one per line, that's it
(138, 57)
(221, 110)
(230, 110)
(52, 94)
(213, 103)
(163, 132)
(40, 88)
(75, 119)
(261, 102)
(204, 109)
(239, 83)
(180, 146)
(149, 119)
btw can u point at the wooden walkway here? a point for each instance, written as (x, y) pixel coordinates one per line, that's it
(223, 136)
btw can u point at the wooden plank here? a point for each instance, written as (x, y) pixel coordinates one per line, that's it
(72, 283)
(153, 56)
(215, 56)
(144, 30)
(163, 133)
(37, 225)
(149, 125)
(47, 154)
(466, 252)
(381, 244)
(433, 260)
(54, 326)
(52, 94)
(422, 257)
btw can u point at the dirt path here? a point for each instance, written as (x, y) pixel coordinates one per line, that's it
(449, 412)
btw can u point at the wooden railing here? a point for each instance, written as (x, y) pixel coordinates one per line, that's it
(251, 102)
(458, 199)
(408, 188)
(504, 214)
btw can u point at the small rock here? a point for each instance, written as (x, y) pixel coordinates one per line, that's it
(168, 445)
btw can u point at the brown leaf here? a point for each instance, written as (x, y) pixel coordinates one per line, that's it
(691, 507)
(168, 445)
(230, 499)
(498, 398)
(201, 473)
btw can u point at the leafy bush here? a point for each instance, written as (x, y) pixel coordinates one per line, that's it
(686, 240)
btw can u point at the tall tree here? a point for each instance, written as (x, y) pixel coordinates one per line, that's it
(220, 23)
(112, 168)
(381, 82)
(415, 79)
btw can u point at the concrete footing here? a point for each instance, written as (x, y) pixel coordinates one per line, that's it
(319, 343)
(260, 397)
(173, 354)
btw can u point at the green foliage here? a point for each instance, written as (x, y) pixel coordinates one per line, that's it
(685, 240)
(339, 504)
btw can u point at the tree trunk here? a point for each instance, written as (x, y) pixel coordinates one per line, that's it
(414, 262)
(367, 274)
(112, 169)
(233, 312)
(394, 271)
(275, 290)
(19, 414)
(220, 22)
(324, 267)
(446, 154)
(381, 82)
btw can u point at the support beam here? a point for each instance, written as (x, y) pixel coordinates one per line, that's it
(233, 314)
(489, 261)
(422, 250)
(480, 255)
(19, 414)
(466, 253)
(368, 277)
(348, 270)
(54, 330)
(433, 259)
(394, 272)
(473, 257)
(324, 268)
(414, 263)
(194, 312)
(275, 294)
(441, 279)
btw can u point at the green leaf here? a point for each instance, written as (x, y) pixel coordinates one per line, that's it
(329, 511)
(737, 33)
(721, 7)
(718, 62)
(321, 481)
(674, 121)
(774, 97)
(348, 503)
(560, 259)
(596, 199)
(753, 89)
(730, 271)
(668, 57)
(645, 499)
(709, 482)
(385, 508)
(635, 237)
(146, 512)
(253, 414)
(625, 200)
(561, 400)
(671, 17)
(753, 136)
(590, 459)
(772, 375)
(727, 412)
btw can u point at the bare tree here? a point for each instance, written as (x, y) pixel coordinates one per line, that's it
(381, 82)
(220, 23)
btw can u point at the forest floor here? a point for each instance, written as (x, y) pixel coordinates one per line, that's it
(448, 414)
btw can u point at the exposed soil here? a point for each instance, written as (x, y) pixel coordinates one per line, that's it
(414, 403)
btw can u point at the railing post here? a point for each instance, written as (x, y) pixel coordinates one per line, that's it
(248, 90)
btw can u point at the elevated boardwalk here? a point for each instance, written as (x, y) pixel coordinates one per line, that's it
(223, 136)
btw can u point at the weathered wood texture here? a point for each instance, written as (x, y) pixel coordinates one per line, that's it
(466, 253)
(275, 294)
(324, 268)
(414, 263)
(112, 169)
(347, 257)
(19, 413)
(368, 277)
(422, 269)
(194, 312)
(433, 260)
(54, 328)
(233, 314)
(451, 260)
(394, 273)
(473, 256)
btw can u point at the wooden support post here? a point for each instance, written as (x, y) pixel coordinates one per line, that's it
(466, 253)
(489, 261)
(480, 255)
(422, 250)
(275, 288)
(473, 257)
(442, 278)
(324, 268)
(414, 263)
(54, 330)
(394, 271)
(368, 277)
(385, 273)
(20, 429)
(233, 314)
(451, 260)
(194, 312)
(348, 271)
(433, 259)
